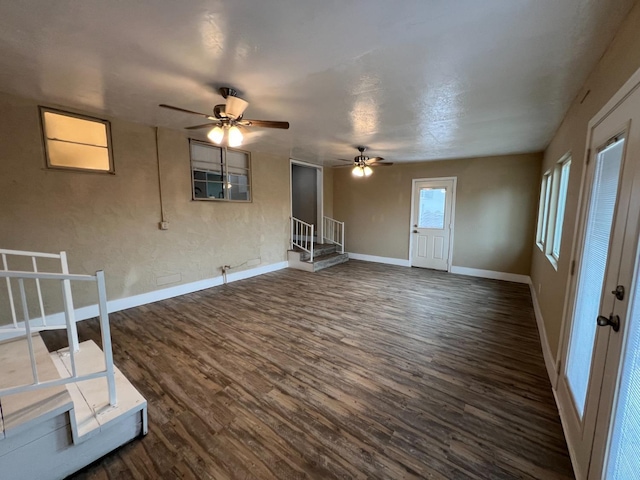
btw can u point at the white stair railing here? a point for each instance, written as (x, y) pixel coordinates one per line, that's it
(333, 232)
(28, 326)
(302, 235)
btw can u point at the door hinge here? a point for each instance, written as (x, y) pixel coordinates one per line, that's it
(573, 267)
(588, 156)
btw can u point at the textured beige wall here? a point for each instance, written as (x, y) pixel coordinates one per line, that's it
(619, 62)
(110, 222)
(495, 209)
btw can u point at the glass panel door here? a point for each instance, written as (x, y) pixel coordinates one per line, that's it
(624, 451)
(592, 271)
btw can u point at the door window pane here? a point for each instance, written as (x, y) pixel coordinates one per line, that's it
(592, 271)
(431, 210)
(624, 451)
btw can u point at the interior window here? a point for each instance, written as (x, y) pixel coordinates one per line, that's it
(76, 142)
(220, 173)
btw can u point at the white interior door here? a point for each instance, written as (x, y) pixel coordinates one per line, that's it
(591, 352)
(432, 223)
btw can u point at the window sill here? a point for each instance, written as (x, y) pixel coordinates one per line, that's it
(553, 261)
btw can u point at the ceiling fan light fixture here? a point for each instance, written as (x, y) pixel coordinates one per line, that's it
(235, 107)
(234, 136)
(366, 170)
(215, 135)
(357, 171)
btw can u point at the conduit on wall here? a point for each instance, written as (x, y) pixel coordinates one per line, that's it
(163, 221)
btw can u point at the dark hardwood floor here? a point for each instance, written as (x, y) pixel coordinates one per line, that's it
(358, 371)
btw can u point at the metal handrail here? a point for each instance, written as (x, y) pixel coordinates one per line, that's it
(333, 232)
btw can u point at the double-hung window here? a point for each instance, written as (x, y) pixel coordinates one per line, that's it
(219, 173)
(553, 198)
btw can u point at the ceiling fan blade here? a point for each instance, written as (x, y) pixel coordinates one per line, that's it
(381, 164)
(204, 125)
(375, 160)
(344, 166)
(264, 123)
(184, 110)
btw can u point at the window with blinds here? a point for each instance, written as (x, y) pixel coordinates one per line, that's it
(553, 198)
(563, 171)
(76, 142)
(543, 210)
(220, 173)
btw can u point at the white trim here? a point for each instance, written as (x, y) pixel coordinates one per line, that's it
(453, 215)
(563, 422)
(91, 311)
(477, 272)
(549, 361)
(401, 262)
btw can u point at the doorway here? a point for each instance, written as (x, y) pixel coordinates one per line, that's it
(599, 383)
(306, 195)
(432, 222)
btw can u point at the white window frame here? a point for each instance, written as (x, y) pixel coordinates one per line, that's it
(553, 198)
(224, 171)
(544, 209)
(563, 172)
(45, 140)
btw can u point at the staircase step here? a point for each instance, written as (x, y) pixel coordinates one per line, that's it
(22, 411)
(91, 399)
(319, 250)
(329, 260)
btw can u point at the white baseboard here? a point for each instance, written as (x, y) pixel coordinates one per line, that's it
(476, 272)
(177, 290)
(549, 361)
(401, 262)
(91, 311)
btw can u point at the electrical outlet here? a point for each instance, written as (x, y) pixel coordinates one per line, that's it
(163, 225)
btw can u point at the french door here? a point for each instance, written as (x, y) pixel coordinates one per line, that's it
(599, 385)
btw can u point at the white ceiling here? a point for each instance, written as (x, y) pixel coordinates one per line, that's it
(411, 79)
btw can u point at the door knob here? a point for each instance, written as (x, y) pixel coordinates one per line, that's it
(415, 231)
(613, 320)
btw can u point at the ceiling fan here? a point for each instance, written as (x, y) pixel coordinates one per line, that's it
(362, 164)
(228, 117)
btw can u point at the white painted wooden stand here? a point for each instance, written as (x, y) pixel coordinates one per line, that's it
(59, 411)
